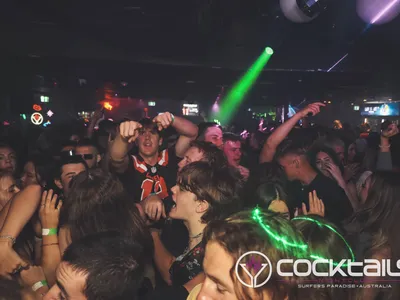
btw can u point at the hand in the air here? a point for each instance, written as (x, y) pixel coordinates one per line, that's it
(392, 130)
(129, 131)
(49, 213)
(313, 108)
(315, 204)
(163, 120)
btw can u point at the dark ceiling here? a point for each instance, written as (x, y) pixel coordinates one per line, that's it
(215, 35)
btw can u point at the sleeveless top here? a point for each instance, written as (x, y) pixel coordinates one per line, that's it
(187, 266)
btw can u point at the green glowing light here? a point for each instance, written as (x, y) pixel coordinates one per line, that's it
(237, 94)
(256, 215)
(320, 224)
(218, 122)
(269, 51)
(281, 239)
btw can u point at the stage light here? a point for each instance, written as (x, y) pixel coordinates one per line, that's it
(302, 11)
(338, 62)
(384, 11)
(378, 12)
(269, 51)
(107, 106)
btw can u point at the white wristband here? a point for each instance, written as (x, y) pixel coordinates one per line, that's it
(39, 285)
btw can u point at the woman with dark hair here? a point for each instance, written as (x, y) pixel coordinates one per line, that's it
(21, 214)
(326, 161)
(203, 193)
(38, 170)
(375, 226)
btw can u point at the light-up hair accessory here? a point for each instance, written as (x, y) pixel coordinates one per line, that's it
(321, 224)
(283, 240)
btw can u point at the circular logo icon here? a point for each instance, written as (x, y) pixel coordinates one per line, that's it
(37, 118)
(258, 262)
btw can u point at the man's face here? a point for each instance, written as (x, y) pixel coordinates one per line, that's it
(214, 135)
(89, 154)
(217, 265)
(288, 164)
(69, 171)
(70, 284)
(8, 160)
(339, 150)
(148, 142)
(233, 152)
(191, 155)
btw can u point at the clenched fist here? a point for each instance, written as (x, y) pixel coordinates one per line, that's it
(164, 120)
(129, 131)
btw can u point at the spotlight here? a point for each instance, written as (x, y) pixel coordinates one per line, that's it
(269, 51)
(302, 11)
(378, 12)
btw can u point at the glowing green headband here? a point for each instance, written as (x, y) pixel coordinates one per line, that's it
(321, 224)
(256, 215)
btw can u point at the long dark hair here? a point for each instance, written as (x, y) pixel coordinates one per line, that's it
(314, 150)
(97, 202)
(44, 168)
(379, 218)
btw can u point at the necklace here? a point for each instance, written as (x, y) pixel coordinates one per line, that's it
(196, 236)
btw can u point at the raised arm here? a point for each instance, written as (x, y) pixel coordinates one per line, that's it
(384, 161)
(21, 210)
(269, 148)
(187, 130)
(128, 133)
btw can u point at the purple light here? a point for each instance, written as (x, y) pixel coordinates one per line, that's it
(215, 107)
(338, 62)
(383, 11)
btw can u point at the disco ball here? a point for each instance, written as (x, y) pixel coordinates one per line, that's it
(302, 11)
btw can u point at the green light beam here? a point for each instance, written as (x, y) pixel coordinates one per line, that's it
(236, 95)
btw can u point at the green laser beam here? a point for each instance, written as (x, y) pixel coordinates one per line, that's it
(236, 95)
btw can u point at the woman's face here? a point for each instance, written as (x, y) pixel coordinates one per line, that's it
(322, 159)
(29, 175)
(8, 160)
(351, 153)
(8, 189)
(185, 204)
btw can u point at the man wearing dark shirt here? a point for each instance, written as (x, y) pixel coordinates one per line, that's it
(293, 160)
(152, 171)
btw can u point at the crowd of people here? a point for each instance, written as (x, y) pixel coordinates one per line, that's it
(121, 212)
